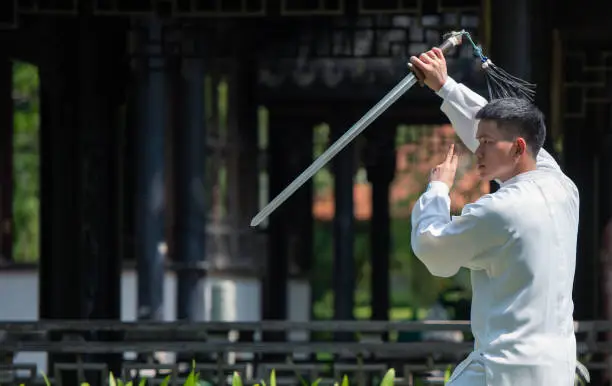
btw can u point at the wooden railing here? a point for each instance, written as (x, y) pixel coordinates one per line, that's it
(224, 347)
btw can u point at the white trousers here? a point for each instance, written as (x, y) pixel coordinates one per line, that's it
(472, 375)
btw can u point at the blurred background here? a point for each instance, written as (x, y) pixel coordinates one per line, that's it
(138, 139)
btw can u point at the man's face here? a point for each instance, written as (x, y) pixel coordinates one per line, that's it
(497, 154)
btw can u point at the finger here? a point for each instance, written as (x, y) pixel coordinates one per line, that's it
(432, 56)
(416, 62)
(450, 153)
(425, 58)
(438, 52)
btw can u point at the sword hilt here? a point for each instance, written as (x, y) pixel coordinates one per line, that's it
(451, 40)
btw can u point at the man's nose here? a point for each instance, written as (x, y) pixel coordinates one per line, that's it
(478, 151)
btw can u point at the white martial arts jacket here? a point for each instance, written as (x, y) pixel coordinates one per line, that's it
(520, 246)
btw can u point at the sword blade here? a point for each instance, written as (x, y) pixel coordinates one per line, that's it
(369, 117)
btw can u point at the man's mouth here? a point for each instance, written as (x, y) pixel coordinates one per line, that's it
(480, 166)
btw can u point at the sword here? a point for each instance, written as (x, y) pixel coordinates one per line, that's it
(392, 96)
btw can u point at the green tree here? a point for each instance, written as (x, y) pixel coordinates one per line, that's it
(26, 163)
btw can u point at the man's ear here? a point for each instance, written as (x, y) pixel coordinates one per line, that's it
(521, 146)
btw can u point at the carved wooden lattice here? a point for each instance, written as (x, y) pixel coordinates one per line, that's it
(250, 8)
(587, 80)
(582, 92)
(360, 56)
(582, 112)
(47, 6)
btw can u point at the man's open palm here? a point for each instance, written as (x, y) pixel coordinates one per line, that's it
(445, 172)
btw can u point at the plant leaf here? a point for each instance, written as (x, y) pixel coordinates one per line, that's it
(298, 375)
(345, 381)
(388, 378)
(166, 381)
(447, 375)
(191, 379)
(273, 378)
(236, 380)
(45, 378)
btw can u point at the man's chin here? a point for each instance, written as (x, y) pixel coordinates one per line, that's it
(482, 176)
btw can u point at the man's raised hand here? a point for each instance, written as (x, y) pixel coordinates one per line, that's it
(445, 172)
(430, 68)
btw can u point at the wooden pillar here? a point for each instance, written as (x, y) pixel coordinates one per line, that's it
(189, 185)
(300, 229)
(149, 220)
(243, 112)
(60, 269)
(275, 280)
(520, 32)
(380, 162)
(344, 167)
(80, 263)
(541, 18)
(102, 72)
(290, 226)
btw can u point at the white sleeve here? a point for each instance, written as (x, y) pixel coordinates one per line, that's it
(461, 104)
(445, 245)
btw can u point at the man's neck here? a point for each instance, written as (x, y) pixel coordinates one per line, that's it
(524, 166)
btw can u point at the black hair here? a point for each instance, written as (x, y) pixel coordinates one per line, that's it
(517, 117)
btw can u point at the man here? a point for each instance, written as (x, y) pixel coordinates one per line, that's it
(519, 243)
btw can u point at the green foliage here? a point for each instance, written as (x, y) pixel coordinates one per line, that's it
(193, 379)
(26, 163)
(447, 374)
(388, 378)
